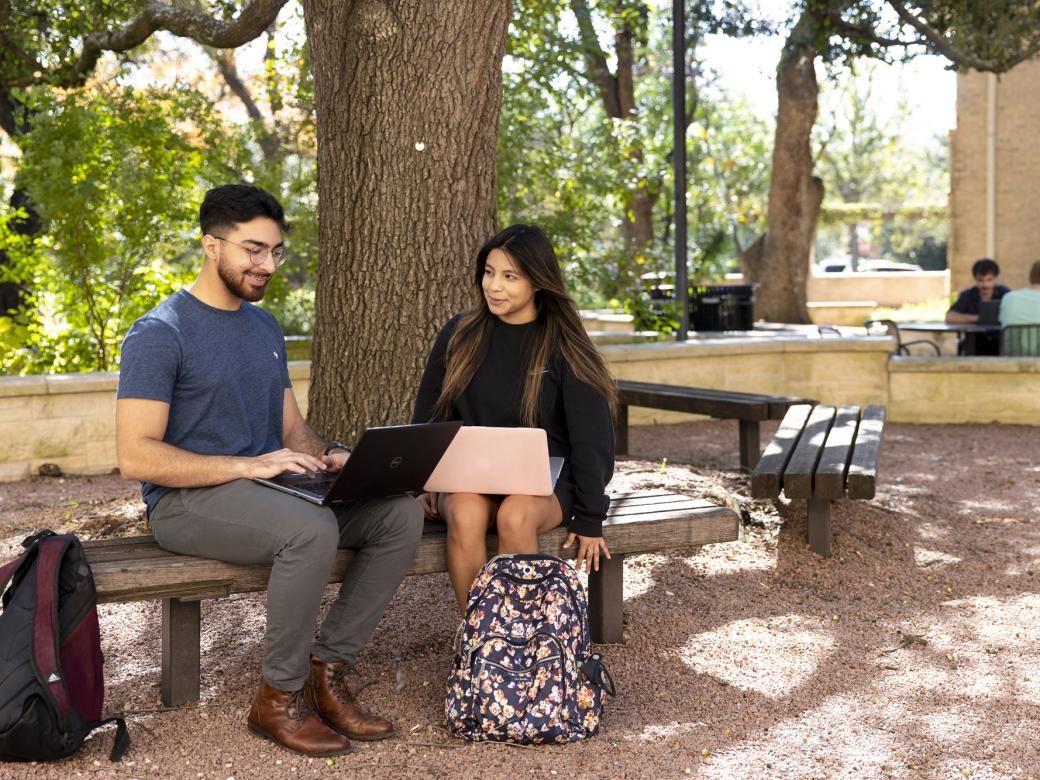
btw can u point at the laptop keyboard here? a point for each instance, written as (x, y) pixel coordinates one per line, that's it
(322, 480)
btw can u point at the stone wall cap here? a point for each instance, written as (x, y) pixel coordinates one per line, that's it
(744, 345)
(921, 364)
(11, 386)
(53, 384)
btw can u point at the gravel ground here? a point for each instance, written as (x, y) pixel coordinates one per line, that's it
(912, 652)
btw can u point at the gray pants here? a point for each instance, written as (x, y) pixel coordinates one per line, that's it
(243, 522)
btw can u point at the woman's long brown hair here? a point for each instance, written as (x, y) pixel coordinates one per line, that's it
(558, 327)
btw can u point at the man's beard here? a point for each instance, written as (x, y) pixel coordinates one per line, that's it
(238, 286)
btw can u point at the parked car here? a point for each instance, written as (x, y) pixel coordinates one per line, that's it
(865, 264)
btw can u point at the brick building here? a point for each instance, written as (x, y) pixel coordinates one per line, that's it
(994, 206)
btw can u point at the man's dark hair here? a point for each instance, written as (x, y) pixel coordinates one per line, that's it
(984, 267)
(1034, 273)
(232, 204)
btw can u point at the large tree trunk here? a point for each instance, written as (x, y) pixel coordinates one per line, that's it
(781, 267)
(407, 95)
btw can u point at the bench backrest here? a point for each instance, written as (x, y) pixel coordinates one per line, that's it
(822, 452)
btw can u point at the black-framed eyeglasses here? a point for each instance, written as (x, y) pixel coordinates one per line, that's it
(257, 254)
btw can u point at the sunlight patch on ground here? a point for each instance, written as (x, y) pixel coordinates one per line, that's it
(639, 574)
(736, 653)
(918, 674)
(843, 731)
(658, 732)
(1013, 620)
(931, 532)
(1003, 657)
(984, 508)
(975, 770)
(715, 559)
(125, 629)
(925, 557)
(952, 725)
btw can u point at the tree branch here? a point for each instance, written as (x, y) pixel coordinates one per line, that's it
(596, 67)
(935, 40)
(224, 59)
(859, 32)
(184, 22)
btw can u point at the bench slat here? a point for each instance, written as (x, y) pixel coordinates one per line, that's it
(798, 476)
(630, 386)
(862, 478)
(674, 503)
(141, 547)
(726, 409)
(163, 574)
(765, 481)
(830, 473)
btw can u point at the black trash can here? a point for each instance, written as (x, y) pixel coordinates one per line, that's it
(722, 307)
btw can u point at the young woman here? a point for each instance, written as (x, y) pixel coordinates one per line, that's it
(521, 357)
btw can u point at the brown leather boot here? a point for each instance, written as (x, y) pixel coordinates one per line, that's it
(330, 697)
(286, 719)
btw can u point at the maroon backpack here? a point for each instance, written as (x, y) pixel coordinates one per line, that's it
(51, 682)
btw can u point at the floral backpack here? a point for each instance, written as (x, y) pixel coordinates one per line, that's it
(524, 670)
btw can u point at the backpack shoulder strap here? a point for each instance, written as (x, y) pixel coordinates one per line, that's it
(7, 571)
(45, 622)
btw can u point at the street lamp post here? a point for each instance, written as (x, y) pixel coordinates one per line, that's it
(682, 287)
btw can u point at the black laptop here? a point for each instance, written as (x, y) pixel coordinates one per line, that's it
(386, 461)
(989, 312)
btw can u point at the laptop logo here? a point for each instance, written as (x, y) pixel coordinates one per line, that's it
(396, 462)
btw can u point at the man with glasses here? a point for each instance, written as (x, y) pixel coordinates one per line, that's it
(204, 405)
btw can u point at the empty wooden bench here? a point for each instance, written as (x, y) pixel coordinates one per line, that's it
(749, 408)
(137, 569)
(822, 454)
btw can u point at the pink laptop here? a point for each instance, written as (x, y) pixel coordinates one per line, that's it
(496, 461)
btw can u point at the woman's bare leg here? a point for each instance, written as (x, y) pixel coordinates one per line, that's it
(521, 519)
(468, 516)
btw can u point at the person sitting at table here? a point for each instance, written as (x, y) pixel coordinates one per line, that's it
(1022, 307)
(966, 308)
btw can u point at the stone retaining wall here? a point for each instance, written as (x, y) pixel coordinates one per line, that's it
(70, 420)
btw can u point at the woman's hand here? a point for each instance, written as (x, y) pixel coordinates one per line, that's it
(335, 460)
(589, 550)
(428, 502)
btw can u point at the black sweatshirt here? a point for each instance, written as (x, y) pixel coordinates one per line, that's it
(574, 415)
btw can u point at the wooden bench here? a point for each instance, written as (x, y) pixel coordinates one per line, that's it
(749, 408)
(822, 454)
(137, 569)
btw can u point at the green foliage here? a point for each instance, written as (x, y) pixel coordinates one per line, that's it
(877, 188)
(116, 175)
(564, 164)
(931, 310)
(42, 38)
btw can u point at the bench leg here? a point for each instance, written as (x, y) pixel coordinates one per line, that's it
(607, 601)
(820, 526)
(750, 446)
(621, 432)
(180, 651)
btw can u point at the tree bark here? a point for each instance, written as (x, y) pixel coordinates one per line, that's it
(407, 96)
(781, 264)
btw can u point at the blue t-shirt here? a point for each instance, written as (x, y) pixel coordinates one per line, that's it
(223, 373)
